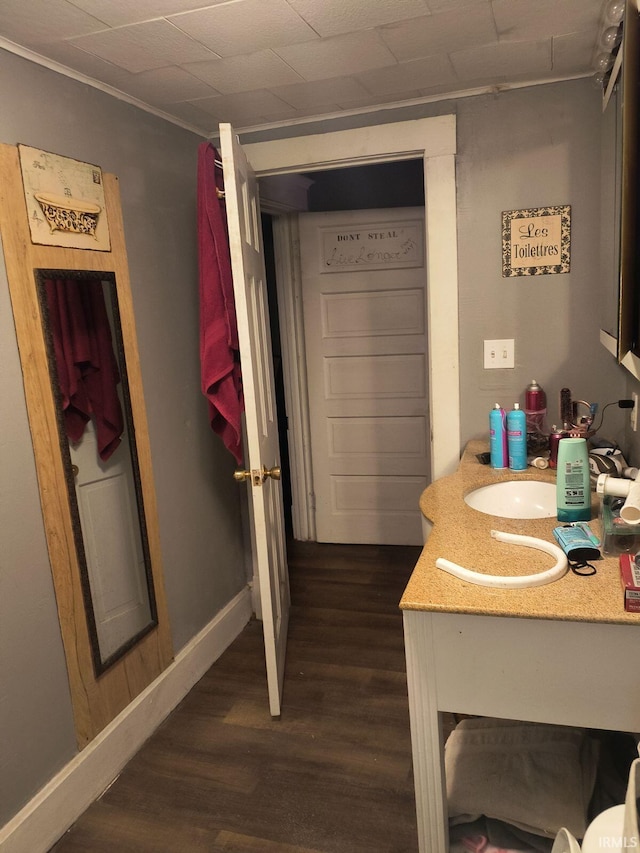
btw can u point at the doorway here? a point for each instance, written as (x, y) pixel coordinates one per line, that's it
(362, 494)
(384, 186)
(433, 142)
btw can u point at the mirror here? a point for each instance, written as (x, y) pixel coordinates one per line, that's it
(620, 195)
(611, 209)
(628, 134)
(85, 351)
(105, 674)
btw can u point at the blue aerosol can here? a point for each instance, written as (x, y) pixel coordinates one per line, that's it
(498, 437)
(517, 438)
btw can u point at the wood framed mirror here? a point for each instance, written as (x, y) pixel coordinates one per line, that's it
(89, 376)
(105, 675)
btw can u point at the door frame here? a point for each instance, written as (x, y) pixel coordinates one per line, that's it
(433, 140)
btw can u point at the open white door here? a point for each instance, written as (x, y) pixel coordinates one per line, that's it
(262, 454)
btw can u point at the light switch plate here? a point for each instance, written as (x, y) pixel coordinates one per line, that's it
(499, 354)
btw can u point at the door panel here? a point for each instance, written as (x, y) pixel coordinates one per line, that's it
(374, 378)
(355, 442)
(365, 333)
(262, 454)
(113, 549)
(385, 312)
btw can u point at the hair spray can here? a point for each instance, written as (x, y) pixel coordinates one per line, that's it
(517, 438)
(535, 407)
(498, 437)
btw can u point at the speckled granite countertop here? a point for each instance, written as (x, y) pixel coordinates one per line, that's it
(462, 534)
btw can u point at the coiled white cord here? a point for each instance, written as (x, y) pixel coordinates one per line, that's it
(512, 581)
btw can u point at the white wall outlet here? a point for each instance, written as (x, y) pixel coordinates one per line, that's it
(499, 354)
(633, 415)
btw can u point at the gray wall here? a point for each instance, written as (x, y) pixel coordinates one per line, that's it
(531, 148)
(198, 502)
(525, 148)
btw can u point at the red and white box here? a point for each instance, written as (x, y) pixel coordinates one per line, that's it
(630, 579)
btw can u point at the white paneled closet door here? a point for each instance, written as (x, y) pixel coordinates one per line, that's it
(365, 320)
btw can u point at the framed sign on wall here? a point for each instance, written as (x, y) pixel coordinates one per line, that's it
(536, 241)
(65, 201)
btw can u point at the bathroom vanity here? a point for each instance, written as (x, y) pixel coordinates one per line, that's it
(563, 653)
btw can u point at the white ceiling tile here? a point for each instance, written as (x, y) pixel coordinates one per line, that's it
(240, 73)
(257, 61)
(157, 87)
(522, 20)
(416, 74)
(190, 113)
(573, 53)
(321, 92)
(142, 47)
(507, 59)
(115, 47)
(245, 26)
(41, 21)
(117, 13)
(168, 85)
(244, 106)
(445, 31)
(436, 6)
(338, 56)
(301, 113)
(92, 66)
(332, 17)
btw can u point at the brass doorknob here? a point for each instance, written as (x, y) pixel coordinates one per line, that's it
(240, 475)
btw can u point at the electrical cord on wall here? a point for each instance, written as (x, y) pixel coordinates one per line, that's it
(622, 404)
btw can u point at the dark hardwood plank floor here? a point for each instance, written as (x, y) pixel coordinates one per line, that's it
(332, 775)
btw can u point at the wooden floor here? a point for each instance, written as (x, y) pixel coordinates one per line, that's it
(333, 775)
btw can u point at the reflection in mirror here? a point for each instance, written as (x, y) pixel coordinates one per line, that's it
(620, 193)
(97, 438)
(610, 194)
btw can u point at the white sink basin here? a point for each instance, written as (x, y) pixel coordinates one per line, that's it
(515, 499)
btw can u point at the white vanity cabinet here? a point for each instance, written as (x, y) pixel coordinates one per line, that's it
(564, 653)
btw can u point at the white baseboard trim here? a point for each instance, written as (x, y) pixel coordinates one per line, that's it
(70, 792)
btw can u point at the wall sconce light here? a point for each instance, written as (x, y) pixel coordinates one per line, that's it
(609, 40)
(613, 12)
